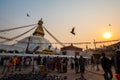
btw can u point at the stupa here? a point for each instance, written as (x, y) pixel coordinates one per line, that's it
(31, 42)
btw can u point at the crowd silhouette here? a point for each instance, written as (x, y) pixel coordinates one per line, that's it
(44, 65)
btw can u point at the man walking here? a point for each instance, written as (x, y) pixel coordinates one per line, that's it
(76, 60)
(116, 63)
(106, 65)
(82, 67)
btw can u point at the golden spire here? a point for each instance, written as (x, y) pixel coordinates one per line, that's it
(39, 31)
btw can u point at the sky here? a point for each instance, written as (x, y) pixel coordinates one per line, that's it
(91, 18)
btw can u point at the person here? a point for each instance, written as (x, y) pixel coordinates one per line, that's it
(92, 63)
(5, 65)
(82, 67)
(38, 60)
(14, 59)
(76, 64)
(71, 63)
(97, 64)
(115, 61)
(106, 65)
(65, 63)
(18, 63)
(10, 65)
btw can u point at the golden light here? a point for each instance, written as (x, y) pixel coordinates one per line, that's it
(107, 35)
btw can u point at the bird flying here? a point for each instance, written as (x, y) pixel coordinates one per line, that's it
(109, 24)
(72, 31)
(28, 15)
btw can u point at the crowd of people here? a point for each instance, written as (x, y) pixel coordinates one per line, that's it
(61, 64)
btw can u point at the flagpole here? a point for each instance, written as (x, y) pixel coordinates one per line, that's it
(94, 44)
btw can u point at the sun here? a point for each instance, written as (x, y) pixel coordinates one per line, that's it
(107, 35)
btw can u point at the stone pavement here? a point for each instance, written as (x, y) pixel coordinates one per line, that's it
(71, 75)
(89, 75)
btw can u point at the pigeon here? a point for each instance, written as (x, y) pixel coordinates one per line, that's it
(109, 24)
(28, 15)
(72, 31)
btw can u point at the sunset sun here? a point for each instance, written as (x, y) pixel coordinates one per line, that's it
(107, 35)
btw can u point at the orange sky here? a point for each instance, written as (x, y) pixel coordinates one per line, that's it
(90, 18)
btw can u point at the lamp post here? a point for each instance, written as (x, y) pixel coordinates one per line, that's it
(94, 42)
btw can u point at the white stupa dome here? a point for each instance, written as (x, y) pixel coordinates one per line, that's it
(31, 42)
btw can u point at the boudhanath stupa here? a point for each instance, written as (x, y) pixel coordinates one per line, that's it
(31, 42)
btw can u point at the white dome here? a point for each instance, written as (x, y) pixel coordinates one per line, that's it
(34, 41)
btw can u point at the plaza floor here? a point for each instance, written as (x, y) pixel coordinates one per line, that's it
(71, 75)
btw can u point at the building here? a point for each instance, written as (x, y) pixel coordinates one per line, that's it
(108, 50)
(71, 50)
